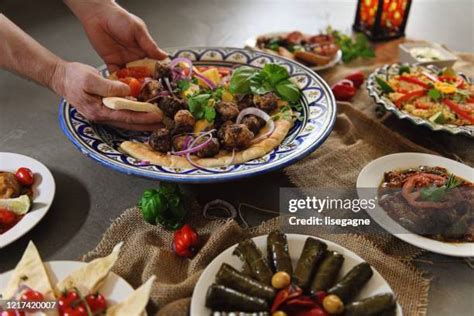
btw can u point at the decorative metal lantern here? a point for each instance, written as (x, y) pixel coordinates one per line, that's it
(382, 19)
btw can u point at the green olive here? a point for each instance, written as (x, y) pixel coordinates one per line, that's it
(279, 313)
(333, 304)
(281, 280)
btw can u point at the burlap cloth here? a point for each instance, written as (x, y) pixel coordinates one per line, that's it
(359, 136)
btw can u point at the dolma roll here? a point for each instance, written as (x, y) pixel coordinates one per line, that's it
(311, 256)
(231, 278)
(221, 298)
(350, 285)
(382, 304)
(247, 251)
(327, 272)
(278, 254)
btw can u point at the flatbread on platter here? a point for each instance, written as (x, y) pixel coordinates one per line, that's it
(89, 278)
(144, 152)
(30, 272)
(135, 303)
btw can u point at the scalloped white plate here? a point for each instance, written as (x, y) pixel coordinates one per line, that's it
(44, 189)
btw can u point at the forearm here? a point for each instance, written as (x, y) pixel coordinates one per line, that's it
(83, 9)
(24, 56)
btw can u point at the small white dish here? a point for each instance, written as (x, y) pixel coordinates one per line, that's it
(371, 177)
(376, 285)
(115, 289)
(44, 189)
(447, 59)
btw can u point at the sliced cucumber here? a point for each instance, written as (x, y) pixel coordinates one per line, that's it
(438, 118)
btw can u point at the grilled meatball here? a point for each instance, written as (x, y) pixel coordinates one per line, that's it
(228, 111)
(162, 71)
(150, 90)
(9, 186)
(245, 101)
(179, 142)
(236, 136)
(160, 140)
(253, 123)
(210, 150)
(267, 102)
(183, 122)
(221, 130)
(170, 105)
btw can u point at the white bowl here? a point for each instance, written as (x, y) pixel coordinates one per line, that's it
(448, 59)
(371, 177)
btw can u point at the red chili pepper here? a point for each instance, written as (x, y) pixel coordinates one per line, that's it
(343, 92)
(459, 110)
(357, 78)
(408, 96)
(185, 241)
(458, 80)
(421, 105)
(284, 295)
(400, 90)
(415, 81)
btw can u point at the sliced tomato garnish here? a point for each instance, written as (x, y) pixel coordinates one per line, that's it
(134, 84)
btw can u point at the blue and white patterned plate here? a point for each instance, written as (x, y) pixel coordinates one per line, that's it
(376, 93)
(101, 142)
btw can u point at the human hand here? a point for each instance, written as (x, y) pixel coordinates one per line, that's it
(117, 35)
(83, 87)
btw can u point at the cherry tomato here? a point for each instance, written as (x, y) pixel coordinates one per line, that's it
(96, 302)
(134, 72)
(343, 92)
(67, 299)
(134, 84)
(7, 217)
(79, 310)
(24, 176)
(319, 296)
(357, 78)
(185, 241)
(12, 313)
(32, 296)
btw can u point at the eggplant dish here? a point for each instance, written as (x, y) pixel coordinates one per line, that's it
(430, 201)
(268, 285)
(211, 116)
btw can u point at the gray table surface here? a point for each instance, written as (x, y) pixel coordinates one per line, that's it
(89, 196)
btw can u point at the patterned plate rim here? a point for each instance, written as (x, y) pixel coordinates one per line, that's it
(390, 106)
(217, 177)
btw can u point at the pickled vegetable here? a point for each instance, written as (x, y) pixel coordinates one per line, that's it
(281, 280)
(327, 272)
(350, 285)
(382, 304)
(221, 298)
(333, 304)
(248, 252)
(311, 256)
(231, 278)
(278, 255)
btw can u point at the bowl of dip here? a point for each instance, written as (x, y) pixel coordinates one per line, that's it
(426, 54)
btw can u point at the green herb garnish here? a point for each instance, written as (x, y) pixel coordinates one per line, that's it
(200, 107)
(436, 194)
(435, 95)
(404, 69)
(352, 48)
(386, 88)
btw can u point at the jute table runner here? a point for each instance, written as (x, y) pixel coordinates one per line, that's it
(359, 136)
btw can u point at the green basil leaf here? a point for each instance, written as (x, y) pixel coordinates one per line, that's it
(386, 88)
(150, 205)
(196, 104)
(183, 85)
(240, 81)
(209, 113)
(274, 73)
(288, 91)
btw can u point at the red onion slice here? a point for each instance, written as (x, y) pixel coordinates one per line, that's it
(159, 95)
(262, 115)
(187, 61)
(207, 81)
(191, 148)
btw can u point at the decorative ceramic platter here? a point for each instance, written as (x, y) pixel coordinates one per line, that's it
(44, 189)
(101, 142)
(114, 288)
(383, 100)
(370, 178)
(376, 285)
(252, 43)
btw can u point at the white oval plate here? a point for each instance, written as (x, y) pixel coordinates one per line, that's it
(44, 189)
(252, 44)
(115, 289)
(376, 285)
(371, 177)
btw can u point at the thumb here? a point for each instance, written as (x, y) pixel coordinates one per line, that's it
(149, 46)
(109, 88)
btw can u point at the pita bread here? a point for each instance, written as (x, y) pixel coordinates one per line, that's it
(135, 304)
(89, 278)
(116, 103)
(31, 272)
(145, 152)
